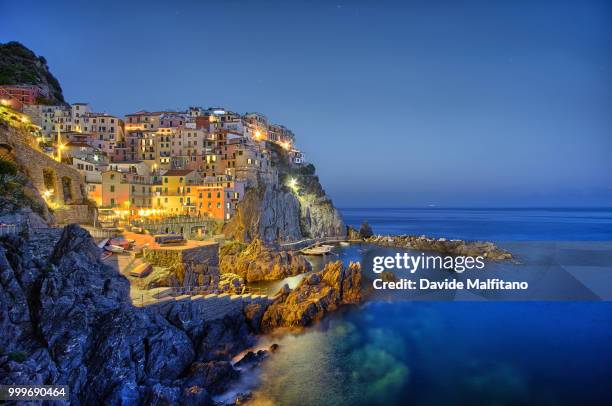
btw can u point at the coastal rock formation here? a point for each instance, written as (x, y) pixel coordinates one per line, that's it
(67, 319)
(318, 217)
(442, 245)
(315, 296)
(231, 283)
(256, 262)
(268, 213)
(292, 208)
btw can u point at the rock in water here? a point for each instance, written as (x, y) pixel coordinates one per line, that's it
(485, 249)
(314, 297)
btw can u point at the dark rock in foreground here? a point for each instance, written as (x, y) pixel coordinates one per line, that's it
(70, 321)
(67, 319)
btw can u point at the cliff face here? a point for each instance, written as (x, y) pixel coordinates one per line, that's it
(19, 65)
(293, 209)
(268, 213)
(67, 319)
(319, 217)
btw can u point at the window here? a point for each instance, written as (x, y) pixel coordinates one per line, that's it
(112, 188)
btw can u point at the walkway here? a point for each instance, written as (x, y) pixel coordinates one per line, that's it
(311, 242)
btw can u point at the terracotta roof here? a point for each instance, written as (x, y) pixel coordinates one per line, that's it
(178, 172)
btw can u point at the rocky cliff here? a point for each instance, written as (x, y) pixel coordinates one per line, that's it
(19, 65)
(294, 208)
(67, 319)
(316, 295)
(267, 212)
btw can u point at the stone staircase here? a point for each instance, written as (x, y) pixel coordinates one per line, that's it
(211, 306)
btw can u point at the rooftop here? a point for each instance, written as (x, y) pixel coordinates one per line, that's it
(178, 172)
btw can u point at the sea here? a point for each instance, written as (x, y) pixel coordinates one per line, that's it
(394, 350)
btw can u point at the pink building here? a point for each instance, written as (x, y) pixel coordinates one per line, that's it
(19, 95)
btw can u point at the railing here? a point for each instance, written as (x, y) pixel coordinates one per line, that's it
(310, 242)
(9, 229)
(101, 232)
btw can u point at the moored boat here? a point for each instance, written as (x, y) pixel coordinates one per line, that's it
(114, 248)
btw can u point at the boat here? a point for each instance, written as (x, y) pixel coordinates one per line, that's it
(114, 248)
(105, 254)
(122, 242)
(103, 243)
(345, 243)
(320, 250)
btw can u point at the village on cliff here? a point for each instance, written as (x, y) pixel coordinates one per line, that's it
(157, 165)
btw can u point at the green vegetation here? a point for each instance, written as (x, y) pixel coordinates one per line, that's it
(15, 190)
(19, 65)
(232, 248)
(7, 168)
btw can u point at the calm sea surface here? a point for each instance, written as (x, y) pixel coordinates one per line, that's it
(392, 351)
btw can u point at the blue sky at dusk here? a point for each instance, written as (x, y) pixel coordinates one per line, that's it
(491, 103)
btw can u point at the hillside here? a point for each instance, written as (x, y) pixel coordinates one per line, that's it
(19, 65)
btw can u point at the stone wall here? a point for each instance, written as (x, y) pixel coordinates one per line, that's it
(45, 173)
(191, 229)
(74, 213)
(197, 266)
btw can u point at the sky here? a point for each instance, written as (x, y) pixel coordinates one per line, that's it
(398, 104)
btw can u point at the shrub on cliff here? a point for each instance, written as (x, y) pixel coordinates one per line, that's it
(7, 167)
(21, 66)
(16, 191)
(232, 248)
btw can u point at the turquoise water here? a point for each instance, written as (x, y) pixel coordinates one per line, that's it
(396, 351)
